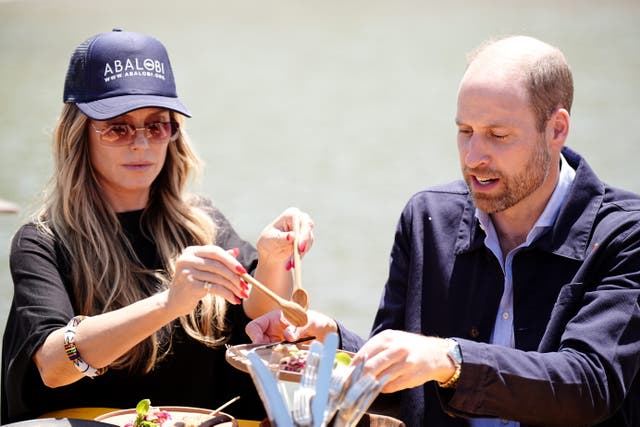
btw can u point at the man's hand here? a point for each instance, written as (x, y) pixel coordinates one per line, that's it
(410, 359)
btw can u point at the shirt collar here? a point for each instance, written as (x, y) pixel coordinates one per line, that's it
(548, 216)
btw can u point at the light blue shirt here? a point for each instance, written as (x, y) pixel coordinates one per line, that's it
(503, 329)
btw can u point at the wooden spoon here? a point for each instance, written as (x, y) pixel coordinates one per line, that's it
(224, 405)
(299, 295)
(214, 417)
(291, 310)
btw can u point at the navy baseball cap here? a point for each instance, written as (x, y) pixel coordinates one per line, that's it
(113, 73)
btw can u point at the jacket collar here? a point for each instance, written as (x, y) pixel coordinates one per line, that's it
(569, 235)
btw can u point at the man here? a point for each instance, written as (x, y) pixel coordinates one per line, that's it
(531, 266)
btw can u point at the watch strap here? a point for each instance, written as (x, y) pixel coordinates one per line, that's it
(455, 355)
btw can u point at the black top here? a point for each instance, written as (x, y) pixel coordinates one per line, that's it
(192, 375)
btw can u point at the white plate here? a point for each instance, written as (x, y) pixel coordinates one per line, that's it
(178, 413)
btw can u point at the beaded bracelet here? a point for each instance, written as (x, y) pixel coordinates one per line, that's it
(72, 351)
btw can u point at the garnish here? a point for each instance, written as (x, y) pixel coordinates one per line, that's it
(147, 416)
(342, 358)
(294, 359)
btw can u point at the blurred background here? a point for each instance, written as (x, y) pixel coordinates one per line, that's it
(344, 108)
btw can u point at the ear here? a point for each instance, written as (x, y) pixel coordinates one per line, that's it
(558, 127)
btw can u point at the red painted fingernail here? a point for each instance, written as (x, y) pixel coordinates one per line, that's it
(289, 265)
(244, 285)
(238, 300)
(244, 294)
(303, 246)
(288, 237)
(240, 269)
(235, 252)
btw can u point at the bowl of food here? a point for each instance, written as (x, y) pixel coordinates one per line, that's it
(287, 359)
(145, 415)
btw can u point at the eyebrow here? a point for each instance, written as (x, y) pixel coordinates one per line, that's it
(489, 126)
(152, 116)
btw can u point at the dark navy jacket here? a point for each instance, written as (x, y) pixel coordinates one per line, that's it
(576, 309)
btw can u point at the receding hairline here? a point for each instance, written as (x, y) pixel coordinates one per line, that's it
(523, 49)
(541, 68)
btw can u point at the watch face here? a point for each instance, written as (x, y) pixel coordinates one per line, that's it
(455, 356)
(455, 352)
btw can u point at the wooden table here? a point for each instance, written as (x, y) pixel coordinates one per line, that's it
(91, 413)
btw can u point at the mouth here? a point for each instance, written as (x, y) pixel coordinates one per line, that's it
(138, 166)
(484, 181)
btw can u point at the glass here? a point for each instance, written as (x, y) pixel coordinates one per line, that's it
(125, 133)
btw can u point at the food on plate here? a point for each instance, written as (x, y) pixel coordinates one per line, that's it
(148, 416)
(293, 359)
(202, 420)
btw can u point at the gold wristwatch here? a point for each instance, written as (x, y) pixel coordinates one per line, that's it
(455, 355)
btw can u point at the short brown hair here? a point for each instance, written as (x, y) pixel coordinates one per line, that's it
(548, 79)
(549, 85)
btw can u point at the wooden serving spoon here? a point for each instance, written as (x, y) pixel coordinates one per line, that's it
(299, 295)
(291, 310)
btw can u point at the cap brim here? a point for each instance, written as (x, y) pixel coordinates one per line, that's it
(105, 109)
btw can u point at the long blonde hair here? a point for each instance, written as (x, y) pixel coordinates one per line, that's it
(105, 272)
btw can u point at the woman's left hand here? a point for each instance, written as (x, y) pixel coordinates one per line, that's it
(275, 243)
(275, 258)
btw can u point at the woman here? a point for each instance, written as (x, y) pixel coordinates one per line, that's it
(125, 288)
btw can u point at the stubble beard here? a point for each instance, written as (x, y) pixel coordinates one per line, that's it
(514, 188)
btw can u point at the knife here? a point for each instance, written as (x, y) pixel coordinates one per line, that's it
(319, 402)
(268, 391)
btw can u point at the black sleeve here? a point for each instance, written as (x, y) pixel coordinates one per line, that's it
(41, 304)
(227, 238)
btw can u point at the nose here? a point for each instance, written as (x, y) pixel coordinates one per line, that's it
(473, 152)
(140, 139)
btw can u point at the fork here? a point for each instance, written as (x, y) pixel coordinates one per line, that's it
(339, 378)
(358, 399)
(302, 407)
(351, 376)
(302, 396)
(351, 402)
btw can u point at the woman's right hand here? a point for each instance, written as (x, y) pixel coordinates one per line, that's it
(200, 270)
